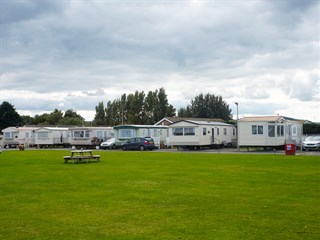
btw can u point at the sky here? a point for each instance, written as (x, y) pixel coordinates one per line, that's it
(262, 54)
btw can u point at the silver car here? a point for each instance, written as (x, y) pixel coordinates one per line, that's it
(109, 144)
(311, 143)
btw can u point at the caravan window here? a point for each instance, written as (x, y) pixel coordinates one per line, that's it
(204, 131)
(189, 131)
(294, 131)
(177, 131)
(99, 134)
(271, 131)
(126, 133)
(280, 131)
(81, 134)
(7, 135)
(224, 131)
(43, 135)
(257, 129)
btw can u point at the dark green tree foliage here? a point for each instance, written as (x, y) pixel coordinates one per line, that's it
(115, 111)
(311, 128)
(72, 114)
(41, 119)
(185, 112)
(207, 106)
(100, 117)
(55, 117)
(8, 115)
(71, 118)
(27, 120)
(150, 104)
(139, 108)
(134, 107)
(163, 108)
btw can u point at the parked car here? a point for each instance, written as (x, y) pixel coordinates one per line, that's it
(138, 143)
(311, 143)
(150, 140)
(109, 144)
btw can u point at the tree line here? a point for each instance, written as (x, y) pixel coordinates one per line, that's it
(9, 117)
(135, 108)
(142, 108)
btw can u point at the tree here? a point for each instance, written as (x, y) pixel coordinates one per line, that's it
(163, 108)
(185, 112)
(72, 114)
(100, 117)
(150, 103)
(55, 117)
(8, 115)
(207, 106)
(71, 118)
(135, 107)
(311, 128)
(41, 119)
(27, 120)
(138, 108)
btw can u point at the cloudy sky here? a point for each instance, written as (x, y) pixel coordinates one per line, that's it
(263, 54)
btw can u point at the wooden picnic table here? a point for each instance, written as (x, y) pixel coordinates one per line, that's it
(81, 156)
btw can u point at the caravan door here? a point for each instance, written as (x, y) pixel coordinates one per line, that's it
(212, 136)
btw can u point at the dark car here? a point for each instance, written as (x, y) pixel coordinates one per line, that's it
(138, 143)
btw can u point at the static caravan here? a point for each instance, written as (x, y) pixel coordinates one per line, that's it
(158, 133)
(52, 136)
(196, 134)
(26, 136)
(10, 136)
(90, 136)
(268, 131)
(13, 136)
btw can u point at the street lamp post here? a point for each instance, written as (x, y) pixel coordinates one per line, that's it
(237, 125)
(236, 103)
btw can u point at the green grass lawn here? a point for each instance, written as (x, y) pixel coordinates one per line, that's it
(157, 195)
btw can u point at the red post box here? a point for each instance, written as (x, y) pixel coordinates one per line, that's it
(290, 149)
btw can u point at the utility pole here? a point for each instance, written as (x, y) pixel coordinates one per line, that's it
(237, 125)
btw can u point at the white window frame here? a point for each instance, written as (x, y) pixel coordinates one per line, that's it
(257, 129)
(189, 131)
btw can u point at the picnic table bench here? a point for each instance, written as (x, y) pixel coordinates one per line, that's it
(81, 156)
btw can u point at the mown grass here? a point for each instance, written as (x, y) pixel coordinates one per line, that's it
(156, 195)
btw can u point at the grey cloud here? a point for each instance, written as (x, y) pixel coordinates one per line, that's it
(104, 48)
(302, 87)
(259, 108)
(35, 105)
(15, 11)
